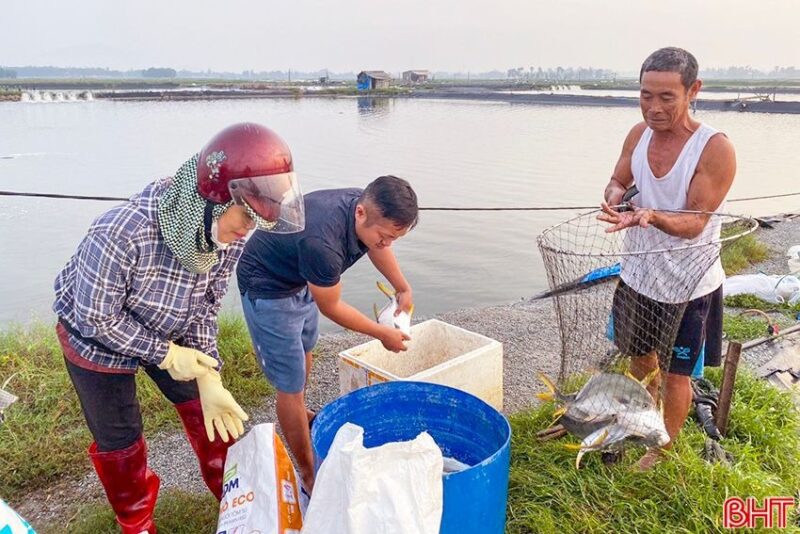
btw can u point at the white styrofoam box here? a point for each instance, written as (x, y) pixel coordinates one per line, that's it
(438, 352)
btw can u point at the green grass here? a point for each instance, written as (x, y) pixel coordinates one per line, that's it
(743, 328)
(682, 494)
(741, 253)
(45, 437)
(177, 512)
(740, 328)
(751, 302)
(547, 494)
(10, 94)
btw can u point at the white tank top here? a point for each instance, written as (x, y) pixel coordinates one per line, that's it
(668, 276)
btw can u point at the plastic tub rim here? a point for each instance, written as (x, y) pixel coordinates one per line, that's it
(489, 459)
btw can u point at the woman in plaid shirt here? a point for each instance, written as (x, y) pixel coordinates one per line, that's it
(144, 290)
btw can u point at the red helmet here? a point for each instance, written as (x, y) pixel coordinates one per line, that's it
(251, 165)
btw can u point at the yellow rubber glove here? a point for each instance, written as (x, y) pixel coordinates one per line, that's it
(186, 364)
(220, 409)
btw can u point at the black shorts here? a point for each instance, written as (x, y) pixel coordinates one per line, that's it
(643, 325)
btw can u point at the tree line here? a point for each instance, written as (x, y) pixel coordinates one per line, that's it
(560, 74)
(532, 74)
(749, 73)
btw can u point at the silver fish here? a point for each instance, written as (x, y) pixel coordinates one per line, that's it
(386, 316)
(608, 411)
(641, 427)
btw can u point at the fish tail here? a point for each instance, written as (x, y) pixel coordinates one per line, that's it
(581, 452)
(600, 440)
(647, 380)
(385, 290)
(557, 415)
(587, 445)
(652, 375)
(548, 395)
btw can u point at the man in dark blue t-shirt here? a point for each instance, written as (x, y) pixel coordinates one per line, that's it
(287, 279)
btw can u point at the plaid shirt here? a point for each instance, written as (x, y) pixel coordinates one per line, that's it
(127, 294)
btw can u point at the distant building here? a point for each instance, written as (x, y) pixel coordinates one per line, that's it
(416, 76)
(373, 79)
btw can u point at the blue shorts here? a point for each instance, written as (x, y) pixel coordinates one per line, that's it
(283, 330)
(699, 333)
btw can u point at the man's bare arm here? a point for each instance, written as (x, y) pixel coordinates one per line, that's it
(386, 262)
(330, 304)
(622, 178)
(712, 181)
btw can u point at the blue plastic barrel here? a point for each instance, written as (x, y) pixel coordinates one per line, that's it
(465, 428)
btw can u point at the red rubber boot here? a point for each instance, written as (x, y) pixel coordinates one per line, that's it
(130, 486)
(210, 454)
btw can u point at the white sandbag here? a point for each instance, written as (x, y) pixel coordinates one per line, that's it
(395, 488)
(259, 487)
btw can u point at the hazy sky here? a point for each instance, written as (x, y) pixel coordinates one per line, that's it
(350, 35)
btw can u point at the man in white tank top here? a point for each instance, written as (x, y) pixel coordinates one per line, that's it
(676, 163)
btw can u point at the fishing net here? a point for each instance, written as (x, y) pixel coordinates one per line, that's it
(623, 294)
(619, 297)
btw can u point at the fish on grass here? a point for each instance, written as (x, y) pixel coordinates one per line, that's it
(609, 411)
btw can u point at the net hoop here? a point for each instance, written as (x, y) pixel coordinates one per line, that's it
(544, 240)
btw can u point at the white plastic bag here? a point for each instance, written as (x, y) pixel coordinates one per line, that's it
(259, 487)
(776, 289)
(787, 287)
(451, 465)
(395, 488)
(794, 259)
(11, 523)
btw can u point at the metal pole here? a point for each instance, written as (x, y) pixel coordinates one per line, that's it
(726, 387)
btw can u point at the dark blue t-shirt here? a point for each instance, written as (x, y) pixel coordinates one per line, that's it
(279, 265)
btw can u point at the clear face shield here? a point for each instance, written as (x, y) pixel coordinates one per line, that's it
(274, 202)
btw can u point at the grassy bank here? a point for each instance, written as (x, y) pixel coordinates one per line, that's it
(45, 437)
(737, 256)
(683, 494)
(10, 94)
(741, 325)
(547, 494)
(742, 253)
(754, 303)
(177, 512)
